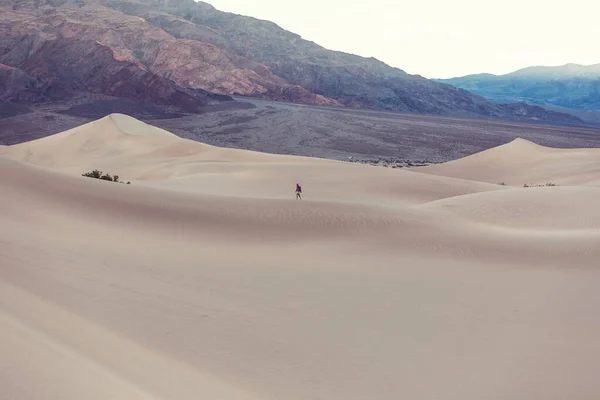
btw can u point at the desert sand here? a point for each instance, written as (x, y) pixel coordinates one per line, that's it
(205, 279)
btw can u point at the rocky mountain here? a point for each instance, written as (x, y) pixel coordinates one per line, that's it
(42, 59)
(98, 47)
(178, 52)
(570, 86)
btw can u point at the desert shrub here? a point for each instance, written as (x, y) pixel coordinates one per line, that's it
(502, 184)
(549, 184)
(96, 174)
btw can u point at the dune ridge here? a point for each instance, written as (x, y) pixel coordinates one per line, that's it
(205, 278)
(522, 162)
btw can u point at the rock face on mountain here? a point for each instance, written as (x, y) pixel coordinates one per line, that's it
(100, 46)
(44, 57)
(570, 86)
(178, 51)
(17, 85)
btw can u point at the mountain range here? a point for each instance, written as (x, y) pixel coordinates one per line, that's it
(571, 86)
(186, 55)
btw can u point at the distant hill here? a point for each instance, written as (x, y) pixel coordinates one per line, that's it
(182, 52)
(569, 86)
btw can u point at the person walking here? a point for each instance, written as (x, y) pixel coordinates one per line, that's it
(298, 192)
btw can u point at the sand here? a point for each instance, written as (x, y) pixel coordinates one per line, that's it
(522, 162)
(204, 278)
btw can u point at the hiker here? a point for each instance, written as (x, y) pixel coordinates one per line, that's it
(298, 192)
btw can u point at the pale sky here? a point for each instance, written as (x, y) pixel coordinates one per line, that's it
(442, 38)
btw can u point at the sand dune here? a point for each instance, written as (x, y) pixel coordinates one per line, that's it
(522, 162)
(118, 139)
(206, 279)
(121, 145)
(547, 208)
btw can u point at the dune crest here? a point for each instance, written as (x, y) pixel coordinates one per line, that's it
(112, 136)
(522, 162)
(205, 278)
(121, 144)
